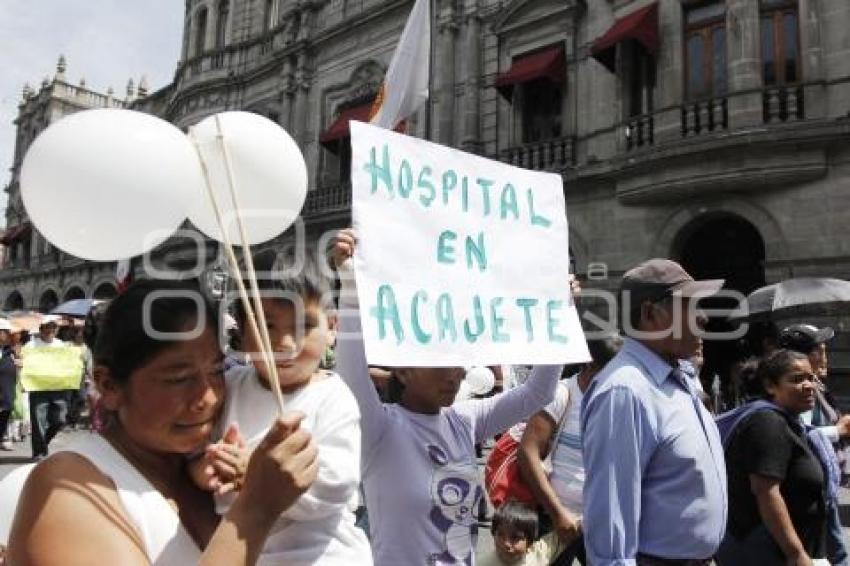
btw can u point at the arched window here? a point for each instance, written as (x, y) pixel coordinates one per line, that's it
(221, 23)
(200, 32)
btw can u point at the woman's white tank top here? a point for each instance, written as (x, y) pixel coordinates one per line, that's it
(157, 523)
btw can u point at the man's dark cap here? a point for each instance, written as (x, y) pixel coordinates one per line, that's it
(804, 337)
(658, 278)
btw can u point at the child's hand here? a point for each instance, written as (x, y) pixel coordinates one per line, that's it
(228, 461)
(344, 244)
(222, 466)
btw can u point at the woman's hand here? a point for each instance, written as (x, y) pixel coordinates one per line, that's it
(343, 248)
(567, 527)
(802, 559)
(282, 467)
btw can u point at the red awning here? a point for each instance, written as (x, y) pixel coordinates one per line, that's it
(641, 25)
(548, 64)
(339, 129)
(15, 233)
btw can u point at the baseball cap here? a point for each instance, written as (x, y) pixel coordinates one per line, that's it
(50, 319)
(804, 337)
(658, 278)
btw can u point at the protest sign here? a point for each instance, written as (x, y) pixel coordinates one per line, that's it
(460, 260)
(51, 368)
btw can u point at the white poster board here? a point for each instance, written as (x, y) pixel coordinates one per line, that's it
(460, 260)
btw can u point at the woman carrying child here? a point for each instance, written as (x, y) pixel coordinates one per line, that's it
(123, 496)
(318, 528)
(421, 481)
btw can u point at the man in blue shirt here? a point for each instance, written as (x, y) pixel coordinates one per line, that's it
(655, 491)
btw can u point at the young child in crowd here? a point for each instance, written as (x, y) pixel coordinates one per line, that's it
(420, 476)
(515, 528)
(319, 528)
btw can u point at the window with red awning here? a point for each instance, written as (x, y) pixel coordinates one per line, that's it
(641, 26)
(549, 64)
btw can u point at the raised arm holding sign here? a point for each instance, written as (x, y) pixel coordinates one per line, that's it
(459, 261)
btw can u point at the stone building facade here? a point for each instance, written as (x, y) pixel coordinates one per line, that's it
(35, 274)
(711, 131)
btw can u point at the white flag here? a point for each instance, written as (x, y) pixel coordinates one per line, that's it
(405, 86)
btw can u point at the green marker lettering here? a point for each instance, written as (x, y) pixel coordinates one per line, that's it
(552, 322)
(387, 310)
(496, 321)
(508, 202)
(449, 183)
(405, 179)
(470, 334)
(526, 304)
(425, 183)
(485, 185)
(380, 172)
(421, 336)
(445, 249)
(446, 318)
(536, 219)
(476, 250)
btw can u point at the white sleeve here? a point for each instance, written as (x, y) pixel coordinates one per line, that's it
(337, 437)
(498, 413)
(558, 407)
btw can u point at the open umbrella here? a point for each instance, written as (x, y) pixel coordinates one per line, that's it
(804, 296)
(25, 320)
(75, 307)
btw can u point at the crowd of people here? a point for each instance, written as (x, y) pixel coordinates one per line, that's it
(624, 461)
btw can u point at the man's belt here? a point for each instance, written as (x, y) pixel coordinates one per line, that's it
(649, 560)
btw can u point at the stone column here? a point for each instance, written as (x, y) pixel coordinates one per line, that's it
(743, 49)
(286, 92)
(302, 87)
(472, 93)
(811, 53)
(444, 62)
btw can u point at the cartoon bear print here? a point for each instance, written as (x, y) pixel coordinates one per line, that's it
(456, 494)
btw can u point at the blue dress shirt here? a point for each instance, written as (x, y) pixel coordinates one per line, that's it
(655, 474)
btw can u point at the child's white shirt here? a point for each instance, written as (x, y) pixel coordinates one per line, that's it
(319, 527)
(541, 553)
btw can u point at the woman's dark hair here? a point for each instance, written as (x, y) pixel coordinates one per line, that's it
(285, 271)
(517, 518)
(746, 379)
(123, 342)
(603, 349)
(775, 365)
(92, 324)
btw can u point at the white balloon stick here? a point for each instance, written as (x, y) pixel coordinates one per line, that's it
(249, 264)
(233, 262)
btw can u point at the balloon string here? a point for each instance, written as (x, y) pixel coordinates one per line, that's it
(233, 262)
(249, 264)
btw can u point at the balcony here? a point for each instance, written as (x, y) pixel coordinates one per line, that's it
(335, 198)
(640, 131)
(783, 104)
(704, 116)
(547, 155)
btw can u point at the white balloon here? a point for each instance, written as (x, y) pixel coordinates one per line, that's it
(269, 174)
(480, 380)
(109, 184)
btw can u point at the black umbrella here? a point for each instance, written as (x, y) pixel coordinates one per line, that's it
(804, 296)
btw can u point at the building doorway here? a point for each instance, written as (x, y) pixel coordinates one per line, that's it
(74, 293)
(105, 291)
(49, 300)
(722, 246)
(14, 302)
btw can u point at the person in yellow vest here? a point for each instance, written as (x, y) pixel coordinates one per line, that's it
(48, 409)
